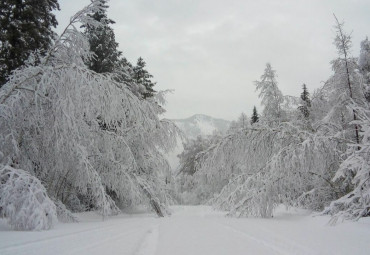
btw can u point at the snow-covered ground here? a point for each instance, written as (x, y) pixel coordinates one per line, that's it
(192, 230)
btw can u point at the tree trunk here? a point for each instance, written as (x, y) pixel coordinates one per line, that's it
(153, 202)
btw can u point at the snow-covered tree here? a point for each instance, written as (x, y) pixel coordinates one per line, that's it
(364, 65)
(353, 173)
(243, 120)
(125, 74)
(282, 161)
(271, 96)
(24, 200)
(189, 155)
(280, 165)
(85, 136)
(356, 170)
(344, 86)
(241, 123)
(191, 190)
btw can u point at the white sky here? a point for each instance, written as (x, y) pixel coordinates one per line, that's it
(211, 51)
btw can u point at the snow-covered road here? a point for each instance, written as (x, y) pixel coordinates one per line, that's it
(192, 230)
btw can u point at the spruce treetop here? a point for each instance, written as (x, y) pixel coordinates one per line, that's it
(143, 77)
(254, 118)
(103, 43)
(26, 26)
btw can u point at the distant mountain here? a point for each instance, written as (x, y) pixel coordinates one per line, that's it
(200, 124)
(192, 127)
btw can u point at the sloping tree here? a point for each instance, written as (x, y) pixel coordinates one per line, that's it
(50, 128)
(355, 203)
(192, 190)
(288, 164)
(278, 162)
(353, 173)
(24, 200)
(189, 155)
(280, 165)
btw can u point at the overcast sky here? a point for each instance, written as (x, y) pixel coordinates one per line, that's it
(210, 51)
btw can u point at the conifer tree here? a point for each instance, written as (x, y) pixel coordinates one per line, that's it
(143, 77)
(254, 118)
(26, 26)
(306, 102)
(108, 59)
(364, 65)
(272, 98)
(345, 84)
(103, 43)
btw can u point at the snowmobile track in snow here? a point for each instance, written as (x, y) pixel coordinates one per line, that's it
(280, 245)
(148, 246)
(56, 237)
(191, 230)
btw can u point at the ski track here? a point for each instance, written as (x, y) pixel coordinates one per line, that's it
(280, 245)
(191, 230)
(257, 240)
(107, 240)
(55, 237)
(117, 238)
(148, 245)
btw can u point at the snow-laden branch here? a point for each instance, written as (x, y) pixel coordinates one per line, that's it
(88, 138)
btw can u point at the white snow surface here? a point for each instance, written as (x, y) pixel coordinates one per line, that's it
(192, 230)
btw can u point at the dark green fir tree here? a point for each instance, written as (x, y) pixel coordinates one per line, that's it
(306, 102)
(103, 43)
(143, 77)
(255, 117)
(25, 26)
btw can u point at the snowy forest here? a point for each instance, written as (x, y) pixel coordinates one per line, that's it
(82, 129)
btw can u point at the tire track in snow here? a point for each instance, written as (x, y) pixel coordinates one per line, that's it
(148, 245)
(82, 250)
(298, 249)
(25, 244)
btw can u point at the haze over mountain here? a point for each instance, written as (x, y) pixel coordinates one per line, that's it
(200, 124)
(196, 125)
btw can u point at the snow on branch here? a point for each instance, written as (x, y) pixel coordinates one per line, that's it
(270, 166)
(24, 201)
(83, 134)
